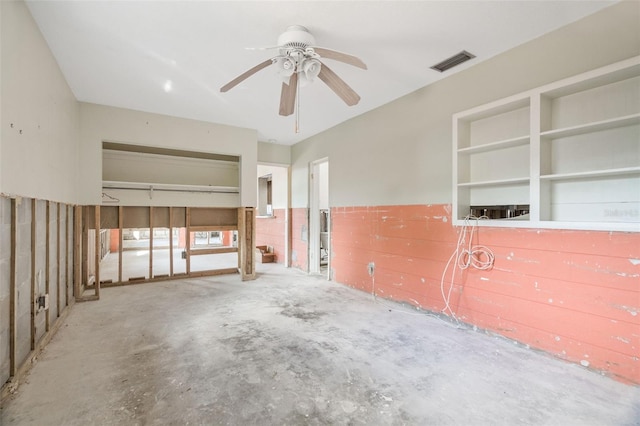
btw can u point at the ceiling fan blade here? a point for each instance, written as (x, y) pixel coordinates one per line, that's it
(288, 95)
(246, 75)
(335, 83)
(339, 56)
(263, 48)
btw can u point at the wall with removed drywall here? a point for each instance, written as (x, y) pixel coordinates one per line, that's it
(39, 145)
(572, 293)
(39, 124)
(36, 260)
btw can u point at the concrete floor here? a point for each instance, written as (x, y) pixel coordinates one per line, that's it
(290, 349)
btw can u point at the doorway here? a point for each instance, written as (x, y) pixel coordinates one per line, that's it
(272, 220)
(319, 219)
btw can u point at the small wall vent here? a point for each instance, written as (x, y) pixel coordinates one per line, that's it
(453, 61)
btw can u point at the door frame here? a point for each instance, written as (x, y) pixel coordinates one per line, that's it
(314, 254)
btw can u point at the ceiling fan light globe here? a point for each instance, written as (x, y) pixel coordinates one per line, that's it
(286, 67)
(311, 68)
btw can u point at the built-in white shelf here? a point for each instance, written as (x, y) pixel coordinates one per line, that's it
(597, 126)
(554, 224)
(497, 182)
(593, 174)
(507, 143)
(609, 74)
(600, 172)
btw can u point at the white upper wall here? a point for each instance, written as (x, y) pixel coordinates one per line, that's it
(271, 153)
(40, 115)
(401, 152)
(101, 123)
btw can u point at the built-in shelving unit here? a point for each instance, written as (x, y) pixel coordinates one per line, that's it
(569, 150)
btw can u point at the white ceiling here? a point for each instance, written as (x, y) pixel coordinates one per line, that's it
(122, 53)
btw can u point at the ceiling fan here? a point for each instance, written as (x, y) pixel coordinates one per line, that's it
(299, 63)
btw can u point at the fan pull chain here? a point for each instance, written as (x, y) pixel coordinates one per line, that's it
(298, 105)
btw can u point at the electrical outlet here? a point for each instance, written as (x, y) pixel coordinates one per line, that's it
(41, 303)
(371, 268)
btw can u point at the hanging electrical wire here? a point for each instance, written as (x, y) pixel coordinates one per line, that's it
(464, 256)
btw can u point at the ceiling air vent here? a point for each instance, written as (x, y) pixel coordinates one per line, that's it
(453, 61)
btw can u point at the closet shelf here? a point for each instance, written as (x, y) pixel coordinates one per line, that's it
(146, 186)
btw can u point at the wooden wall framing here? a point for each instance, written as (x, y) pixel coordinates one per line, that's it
(39, 231)
(50, 256)
(193, 219)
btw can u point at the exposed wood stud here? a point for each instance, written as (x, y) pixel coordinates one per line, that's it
(78, 254)
(58, 259)
(120, 240)
(97, 249)
(68, 259)
(170, 241)
(188, 240)
(151, 242)
(240, 238)
(12, 290)
(66, 256)
(47, 263)
(33, 272)
(250, 243)
(85, 250)
(246, 241)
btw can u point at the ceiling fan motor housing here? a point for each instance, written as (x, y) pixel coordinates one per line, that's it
(296, 36)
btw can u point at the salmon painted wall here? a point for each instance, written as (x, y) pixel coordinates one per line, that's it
(575, 294)
(299, 238)
(271, 231)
